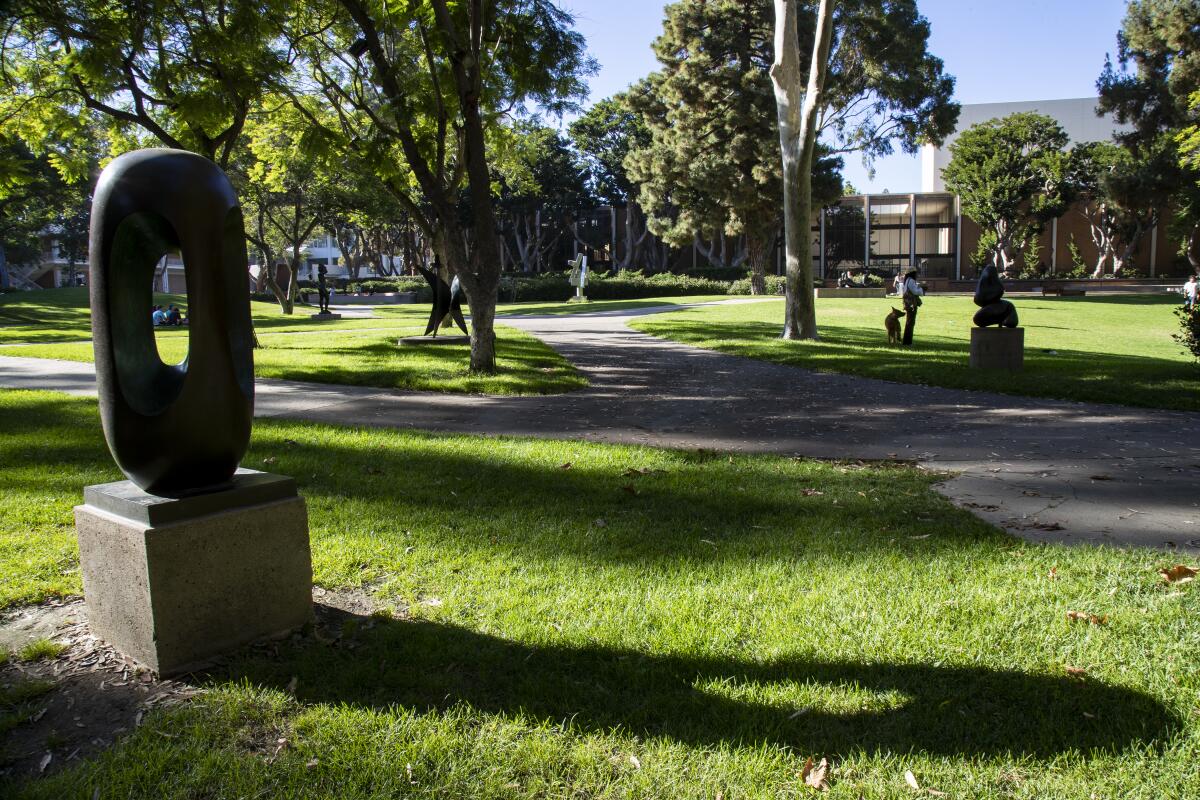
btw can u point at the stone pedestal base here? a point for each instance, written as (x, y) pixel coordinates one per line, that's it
(173, 583)
(998, 348)
(325, 316)
(420, 340)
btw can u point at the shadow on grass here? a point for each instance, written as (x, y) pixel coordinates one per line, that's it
(942, 361)
(944, 710)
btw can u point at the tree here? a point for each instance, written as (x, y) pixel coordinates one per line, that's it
(417, 89)
(184, 73)
(287, 190)
(1012, 176)
(1094, 162)
(1160, 40)
(880, 89)
(606, 135)
(543, 191)
(709, 175)
(1188, 140)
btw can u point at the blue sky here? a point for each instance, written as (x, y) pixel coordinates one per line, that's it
(999, 50)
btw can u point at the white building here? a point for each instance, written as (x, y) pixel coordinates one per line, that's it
(1076, 116)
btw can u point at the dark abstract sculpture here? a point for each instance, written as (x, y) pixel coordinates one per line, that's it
(993, 309)
(172, 429)
(322, 290)
(446, 300)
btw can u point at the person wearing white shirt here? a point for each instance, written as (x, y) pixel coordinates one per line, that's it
(911, 292)
(1190, 291)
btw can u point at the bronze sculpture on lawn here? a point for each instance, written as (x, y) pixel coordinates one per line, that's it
(173, 429)
(447, 300)
(322, 290)
(989, 296)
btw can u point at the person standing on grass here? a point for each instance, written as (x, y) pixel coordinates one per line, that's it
(1190, 290)
(911, 292)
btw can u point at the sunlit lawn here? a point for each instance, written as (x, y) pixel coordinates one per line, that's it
(1114, 349)
(695, 629)
(359, 352)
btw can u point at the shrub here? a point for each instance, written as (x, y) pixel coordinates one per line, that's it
(775, 284)
(1189, 334)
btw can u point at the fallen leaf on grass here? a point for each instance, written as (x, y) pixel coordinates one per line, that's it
(45, 762)
(811, 492)
(1076, 672)
(922, 536)
(631, 489)
(911, 780)
(1053, 573)
(600, 523)
(270, 460)
(565, 466)
(1083, 616)
(816, 777)
(1180, 573)
(312, 764)
(637, 764)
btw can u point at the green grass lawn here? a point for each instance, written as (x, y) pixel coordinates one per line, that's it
(1099, 349)
(356, 352)
(644, 623)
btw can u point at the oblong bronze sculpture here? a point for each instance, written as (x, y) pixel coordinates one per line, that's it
(989, 296)
(172, 429)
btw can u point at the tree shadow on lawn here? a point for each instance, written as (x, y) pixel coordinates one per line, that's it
(942, 710)
(943, 361)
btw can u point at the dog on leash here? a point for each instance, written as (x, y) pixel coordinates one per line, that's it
(892, 323)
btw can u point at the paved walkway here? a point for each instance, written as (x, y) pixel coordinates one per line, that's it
(1043, 469)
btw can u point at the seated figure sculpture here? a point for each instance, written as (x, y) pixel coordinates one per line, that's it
(989, 296)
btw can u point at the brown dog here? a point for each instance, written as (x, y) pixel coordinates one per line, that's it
(892, 323)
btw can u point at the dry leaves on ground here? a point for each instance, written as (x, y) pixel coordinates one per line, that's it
(1076, 672)
(812, 492)
(816, 777)
(1180, 573)
(1083, 616)
(911, 780)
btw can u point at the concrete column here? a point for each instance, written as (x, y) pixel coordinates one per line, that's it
(867, 229)
(912, 230)
(1054, 245)
(821, 253)
(957, 239)
(1153, 249)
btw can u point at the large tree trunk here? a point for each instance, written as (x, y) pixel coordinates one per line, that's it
(798, 141)
(756, 248)
(1193, 249)
(4, 279)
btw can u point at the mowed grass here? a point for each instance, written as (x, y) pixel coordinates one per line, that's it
(642, 623)
(1097, 349)
(354, 352)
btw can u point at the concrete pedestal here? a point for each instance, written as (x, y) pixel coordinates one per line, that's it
(428, 340)
(173, 583)
(998, 348)
(325, 316)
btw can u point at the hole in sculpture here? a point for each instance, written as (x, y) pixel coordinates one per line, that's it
(168, 312)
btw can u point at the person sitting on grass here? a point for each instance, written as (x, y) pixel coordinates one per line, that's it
(173, 315)
(158, 317)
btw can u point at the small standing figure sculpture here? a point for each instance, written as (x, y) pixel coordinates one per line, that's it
(322, 289)
(579, 276)
(989, 296)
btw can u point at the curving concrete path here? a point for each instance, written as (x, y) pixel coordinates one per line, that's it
(1043, 469)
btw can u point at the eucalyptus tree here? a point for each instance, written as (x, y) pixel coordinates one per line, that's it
(714, 163)
(179, 73)
(417, 89)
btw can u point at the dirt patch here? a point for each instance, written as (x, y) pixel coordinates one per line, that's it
(59, 710)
